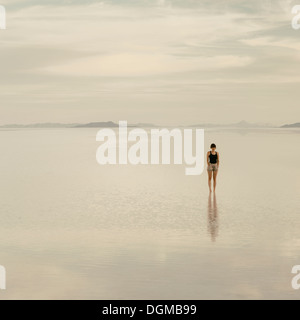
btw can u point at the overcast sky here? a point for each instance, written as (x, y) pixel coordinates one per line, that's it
(162, 61)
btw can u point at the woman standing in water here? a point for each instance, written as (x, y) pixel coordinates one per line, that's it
(213, 161)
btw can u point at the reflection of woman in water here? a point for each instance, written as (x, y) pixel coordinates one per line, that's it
(213, 161)
(212, 217)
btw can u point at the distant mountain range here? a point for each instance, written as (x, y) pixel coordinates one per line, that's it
(63, 125)
(110, 124)
(144, 125)
(241, 124)
(41, 125)
(293, 125)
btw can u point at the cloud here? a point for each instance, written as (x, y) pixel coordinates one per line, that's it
(127, 65)
(53, 50)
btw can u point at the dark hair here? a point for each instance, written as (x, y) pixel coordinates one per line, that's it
(213, 146)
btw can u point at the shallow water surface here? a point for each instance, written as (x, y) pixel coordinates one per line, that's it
(70, 228)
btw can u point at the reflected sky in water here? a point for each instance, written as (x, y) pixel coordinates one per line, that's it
(73, 229)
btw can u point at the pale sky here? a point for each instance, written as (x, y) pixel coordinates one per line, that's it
(161, 61)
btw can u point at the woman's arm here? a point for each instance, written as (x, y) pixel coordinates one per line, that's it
(207, 158)
(218, 158)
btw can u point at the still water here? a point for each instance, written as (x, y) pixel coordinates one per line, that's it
(72, 229)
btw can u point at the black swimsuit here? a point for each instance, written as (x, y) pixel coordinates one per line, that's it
(213, 158)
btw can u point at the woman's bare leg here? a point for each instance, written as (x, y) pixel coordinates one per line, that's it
(215, 179)
(209, 179)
